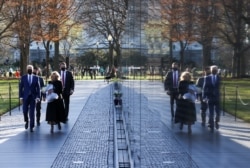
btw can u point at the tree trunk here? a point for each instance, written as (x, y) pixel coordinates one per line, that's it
(234, 64)
(56, 56)
(181, 56)
(47, 59)
(170, 52)
(243, 65)
(206, 61)
(24, 60)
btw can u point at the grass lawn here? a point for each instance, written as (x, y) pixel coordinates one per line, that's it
(236, 97)
(8, 95)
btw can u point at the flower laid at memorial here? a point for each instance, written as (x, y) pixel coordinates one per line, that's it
(117, 99)
(117, 93)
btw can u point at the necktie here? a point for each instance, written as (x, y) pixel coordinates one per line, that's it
(29, 79)
(174, 79)
(214, 79)
(63, 78)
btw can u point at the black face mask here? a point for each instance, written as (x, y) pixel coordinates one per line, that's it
(63, 69)
(175, 69)
(29, 71)
(214, 72)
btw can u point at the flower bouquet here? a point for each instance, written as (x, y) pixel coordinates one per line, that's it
(190, 95)
(49, 91)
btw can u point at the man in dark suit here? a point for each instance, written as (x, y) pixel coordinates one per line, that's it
(171, 86)
(211, 94)
(37, 72)
(199, 84)
(68, 86)
(29, 94)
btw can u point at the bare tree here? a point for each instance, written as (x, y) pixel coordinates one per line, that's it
(181, 23)
(106, 18)
(25, 13)
(55, 20)
(232, 31)
(7, 19)
(207, 27)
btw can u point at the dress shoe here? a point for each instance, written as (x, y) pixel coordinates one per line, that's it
(59, 126)
(189, 129)
(181, 126)
(52, 129)
(203, 124)
(38, 123)
(211, 128)
(26, 125)
(217, 125)
(31, 130)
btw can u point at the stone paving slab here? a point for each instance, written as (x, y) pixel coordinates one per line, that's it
(89, 143)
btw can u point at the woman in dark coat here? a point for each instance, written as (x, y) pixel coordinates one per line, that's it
(55, 112)
(185, 110)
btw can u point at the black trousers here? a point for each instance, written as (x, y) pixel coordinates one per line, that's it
(66, 100)
(173, 99)
(38, 111)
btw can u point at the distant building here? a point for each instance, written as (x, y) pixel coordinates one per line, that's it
(193, 53)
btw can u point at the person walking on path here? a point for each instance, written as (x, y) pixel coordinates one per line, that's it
(68, 84)
(185, 110)
(203, 106)
(211, 94)
(29, 94)
(37, 72)
(171, 86)
(55, 112)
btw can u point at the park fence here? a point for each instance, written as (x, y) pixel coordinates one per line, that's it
(236, 101)
(9, 95)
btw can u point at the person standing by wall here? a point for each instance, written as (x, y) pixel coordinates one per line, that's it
(199, 84)
(68, 86)
(29, 94)
(37, 72)
(171, 86)
(211, 94)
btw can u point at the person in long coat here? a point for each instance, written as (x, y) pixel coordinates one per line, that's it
(185, 110)
(55, 112)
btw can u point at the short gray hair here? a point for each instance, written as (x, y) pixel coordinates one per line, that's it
(213, 67)
(30, 67)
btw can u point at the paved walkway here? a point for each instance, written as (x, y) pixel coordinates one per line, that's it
(87, 139)
(164, 145)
